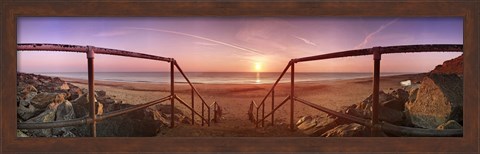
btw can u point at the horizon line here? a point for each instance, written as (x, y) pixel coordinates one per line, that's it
(213, 72)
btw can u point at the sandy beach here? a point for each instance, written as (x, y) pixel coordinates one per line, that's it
(236, 98)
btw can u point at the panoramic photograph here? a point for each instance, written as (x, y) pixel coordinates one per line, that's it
(239, 77)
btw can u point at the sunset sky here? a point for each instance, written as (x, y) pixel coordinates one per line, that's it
(235, 44)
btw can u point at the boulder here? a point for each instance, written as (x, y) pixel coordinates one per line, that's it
(57, 80)
(27, 112)
(46, 116)
(385, 114)
(400, 97)
(21, 134)
(64, 112)
(367, 103)
(42, 100)
(412, 92)
(27, 91)
(63, 86)
(322, 126)
(439, 99)
(303, 119)
(74, 92)
(307, 123)
(139, 123)
(389, 107)
(347, 130)
(82, 106)
(450, 124)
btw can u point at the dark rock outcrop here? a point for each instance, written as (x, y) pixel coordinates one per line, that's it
(46, 99)
(439, 99)
(436, 102)
(453, 66)
(46, 116)
(316, 126)
(390, 107)
(42, 100)
(450, 124)
(27, 111)
(347, 130)
(64, 112)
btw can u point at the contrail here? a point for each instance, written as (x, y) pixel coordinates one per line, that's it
(305, 40)
(200, 37)
(369, 36)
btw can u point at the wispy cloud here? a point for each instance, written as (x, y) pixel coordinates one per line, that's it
(111, 33)
(306, 41)
(370, 36)
(205, 43)
(253, 51)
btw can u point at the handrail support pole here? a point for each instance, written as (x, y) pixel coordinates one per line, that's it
(193, 108)
(273, 106)
(292, 93)
(91, 90)
(256, 120)
(263, 115)
(376, 87)
(172, 93)
(203, 112)
(208, 124)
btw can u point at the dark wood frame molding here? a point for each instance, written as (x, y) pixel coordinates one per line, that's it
(11, 10)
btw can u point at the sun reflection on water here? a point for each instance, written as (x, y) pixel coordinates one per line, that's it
(258, 81)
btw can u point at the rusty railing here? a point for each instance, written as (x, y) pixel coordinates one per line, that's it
(93, 118)
(374, 122)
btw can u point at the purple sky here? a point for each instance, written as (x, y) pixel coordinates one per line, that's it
(236, 44)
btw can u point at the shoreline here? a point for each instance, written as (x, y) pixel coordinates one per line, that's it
(221, 79)
(79, 80)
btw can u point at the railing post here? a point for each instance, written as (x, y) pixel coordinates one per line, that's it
(256, 120)
(292, 94)
(273, 106)
(263, 114)
(172, 93)
(91, 90)
(376, 86)
(215, 107)
(203, 111)
(193, 108)
(208, 124)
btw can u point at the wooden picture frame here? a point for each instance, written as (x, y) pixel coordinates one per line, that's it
(468, 10)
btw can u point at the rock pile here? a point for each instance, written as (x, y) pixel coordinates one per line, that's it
(46, 99)
(434, 103)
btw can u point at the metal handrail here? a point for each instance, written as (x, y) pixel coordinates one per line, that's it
(215, 111)
(93, 118)
(191, 109)
(84, 49)
(196, 92)
(375, 124)
(271, 91)
(386, 50)
(275, 109)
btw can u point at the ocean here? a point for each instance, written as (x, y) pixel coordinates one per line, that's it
(213, 77)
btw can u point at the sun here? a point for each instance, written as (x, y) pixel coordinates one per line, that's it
(258, 67)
